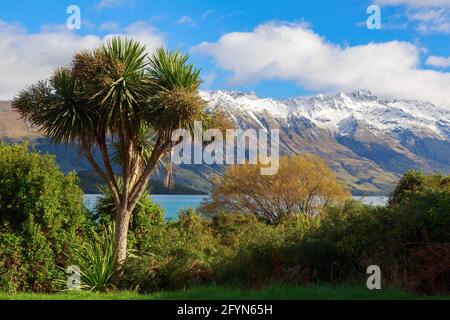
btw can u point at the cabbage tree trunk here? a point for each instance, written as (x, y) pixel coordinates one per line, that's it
(121, 235)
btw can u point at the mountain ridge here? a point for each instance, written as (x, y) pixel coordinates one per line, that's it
(367, 140)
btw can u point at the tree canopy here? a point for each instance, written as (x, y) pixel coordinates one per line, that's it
(303, 185)
(123, 103)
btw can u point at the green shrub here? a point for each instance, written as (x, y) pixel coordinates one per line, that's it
(248, 246)
(42, 219)
(96, 258)
(414, 183)
(183, 256)
(44, 228)
(13, 272)
(425, 218)
(230, 249)
(358, 236)
(333, 247)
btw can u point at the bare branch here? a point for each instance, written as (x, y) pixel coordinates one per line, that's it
(126, 150)
(144, 178)
(101, 140)
(101, 173)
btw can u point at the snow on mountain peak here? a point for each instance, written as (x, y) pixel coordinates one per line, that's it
(333, 112)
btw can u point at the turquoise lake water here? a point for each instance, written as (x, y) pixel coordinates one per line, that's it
(172, 204)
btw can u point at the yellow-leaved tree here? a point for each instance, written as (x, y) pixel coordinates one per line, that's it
(304, 184)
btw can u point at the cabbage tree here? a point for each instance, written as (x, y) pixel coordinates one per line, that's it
(117, 95)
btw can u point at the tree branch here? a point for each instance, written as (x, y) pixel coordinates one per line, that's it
(100, 172)
(142, 182)
(126, 150)
(101, 140)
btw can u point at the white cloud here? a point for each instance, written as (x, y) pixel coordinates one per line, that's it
(109, 26)
(208, 80)
(207, 13)
(414, 3)
(430, 20)
(186, 20)
(145, 33)
(293, 52)
(114, 3)
(29, 57)
(426, 16)
(440, 62)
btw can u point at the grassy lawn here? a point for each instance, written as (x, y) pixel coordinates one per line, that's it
(345, 292)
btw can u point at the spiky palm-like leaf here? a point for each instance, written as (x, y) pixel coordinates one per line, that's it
(176, 102)
(56, 108)
(170, 70)
(106, 208)
(96, 260)
(129, 86)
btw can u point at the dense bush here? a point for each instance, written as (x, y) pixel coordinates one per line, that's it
(414, 183)
(303, 184)
(42, 218)
(182, 257)
(333, 247)
(429, 269)
(44, 228)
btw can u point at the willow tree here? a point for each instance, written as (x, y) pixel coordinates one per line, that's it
(304, 184)
(117, 95)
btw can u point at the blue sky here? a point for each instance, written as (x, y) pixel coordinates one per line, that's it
(231, 41)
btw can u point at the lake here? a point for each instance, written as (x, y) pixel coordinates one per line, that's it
(172, 204)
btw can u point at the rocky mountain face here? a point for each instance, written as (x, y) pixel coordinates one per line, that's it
(11, 127)
(368, 141)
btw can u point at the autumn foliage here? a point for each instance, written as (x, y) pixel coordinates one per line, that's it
(304, 184)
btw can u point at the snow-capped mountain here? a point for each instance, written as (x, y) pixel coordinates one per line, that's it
(369, 141)
(338, 113)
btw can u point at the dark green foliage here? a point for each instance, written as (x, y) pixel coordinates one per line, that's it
(414, 183)
(334, 247)
(146, 226)
(96, 258)
(42, 219)
(182, 257)
(230, 249)
(42, 216)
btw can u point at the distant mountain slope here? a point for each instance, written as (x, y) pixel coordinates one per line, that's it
(89, 182)
(368, 141)
(10, 125)
(14, 130)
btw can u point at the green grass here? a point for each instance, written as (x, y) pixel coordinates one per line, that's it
(284, 292)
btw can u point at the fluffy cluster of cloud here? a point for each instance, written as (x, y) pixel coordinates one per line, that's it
(29, 57)
(293, 52)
